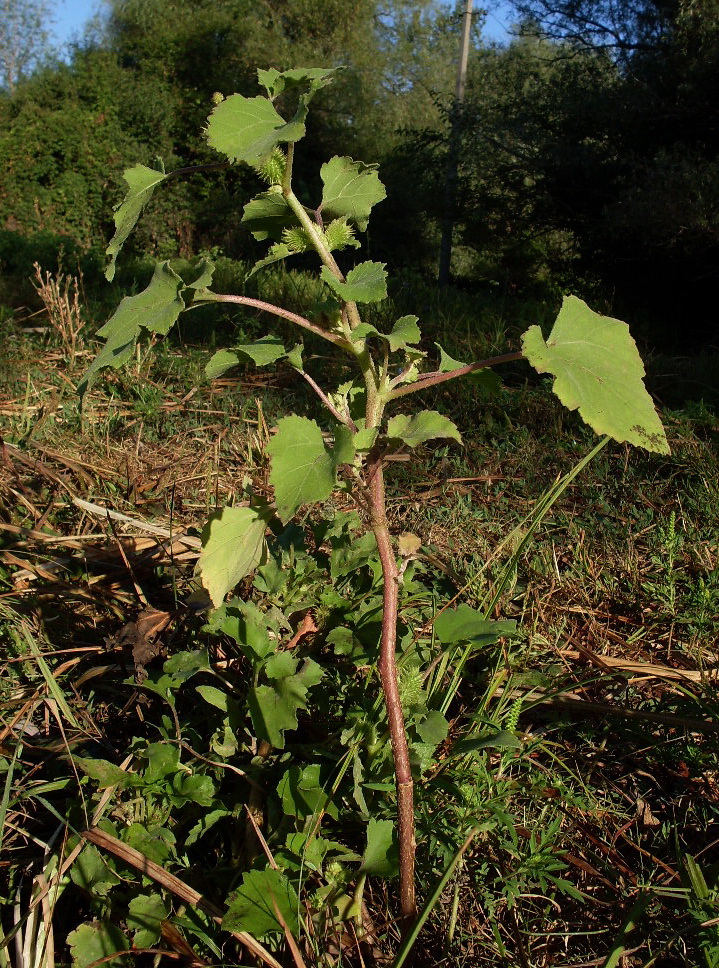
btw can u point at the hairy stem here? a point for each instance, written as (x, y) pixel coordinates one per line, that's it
(318, 241)
(343, 419)
(425, 380)
(276, 311)
(388, 676)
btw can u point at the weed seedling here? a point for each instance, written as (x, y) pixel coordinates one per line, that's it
(596, 369)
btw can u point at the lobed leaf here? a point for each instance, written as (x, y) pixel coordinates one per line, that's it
(274, 707)
(422, 426)
(276, 82)
(155, 309)
(95, 942)
(93, 873)
(141, 182)
(146, 912)
(366, 283)
(405, 332)
(598, 371)
(233, 545)
(253, 907)
(351, 189)
(247, 129)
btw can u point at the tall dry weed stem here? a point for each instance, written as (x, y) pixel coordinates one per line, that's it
(60, 296)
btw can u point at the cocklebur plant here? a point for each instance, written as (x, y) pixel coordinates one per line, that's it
(593, 360)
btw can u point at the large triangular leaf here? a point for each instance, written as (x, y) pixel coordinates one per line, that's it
(303, 469)
(247, 129)
(598, 371)
(255, 905)
(351, 188)
(366, 283)
(154, 309)
(423, 426)
(141, 181)
(267, 215)
(233, 545)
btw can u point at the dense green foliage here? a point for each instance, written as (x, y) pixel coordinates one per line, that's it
(587, 156)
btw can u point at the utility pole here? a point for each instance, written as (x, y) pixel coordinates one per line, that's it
(450, 186)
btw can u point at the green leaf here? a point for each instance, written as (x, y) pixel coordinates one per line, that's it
(214, 696)
(434, 728)
(502, 739)
(381, 856)
(268, 215)
(155, 842)
(94, 941)
(351, 189)
(262, 352)
(274, 708)
(233, 545)
(366, 283)
(303, 469)
(487, 377)
(306, 850)
(105, 774)
(314, 78)
(303, 794)
(162, 760)
(141, 182)
(343, 451)
(184, 665)
(247, 129)
(423, 426)
(253, 907)
(206, 822)
(598, 371)
(277, 252)
(93, 873)
(349, 556)
(466, 624)
(146, 912)
(206, 270)
(247, 625)
(155, 309)
(405, 332)
(193, 787)
(220, 362)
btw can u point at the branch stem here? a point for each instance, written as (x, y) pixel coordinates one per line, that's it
(346, 420)
(388, 675)
(276, 311)
(425, 380)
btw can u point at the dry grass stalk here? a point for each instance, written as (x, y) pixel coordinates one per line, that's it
(60, 296)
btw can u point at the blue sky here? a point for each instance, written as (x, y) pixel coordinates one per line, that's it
(72, 15)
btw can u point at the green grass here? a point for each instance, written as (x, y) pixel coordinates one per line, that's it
(594, 794)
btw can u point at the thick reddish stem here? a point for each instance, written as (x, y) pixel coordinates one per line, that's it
(390, 688)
